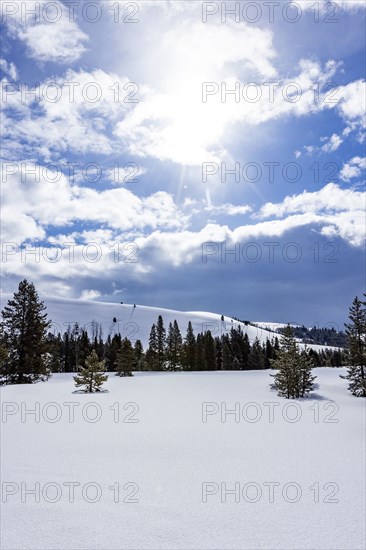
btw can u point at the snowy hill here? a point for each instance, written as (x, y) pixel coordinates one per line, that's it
(135, 322)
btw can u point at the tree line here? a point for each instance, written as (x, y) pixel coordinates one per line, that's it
(30, 352)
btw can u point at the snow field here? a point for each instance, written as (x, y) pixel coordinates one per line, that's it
(182, 461)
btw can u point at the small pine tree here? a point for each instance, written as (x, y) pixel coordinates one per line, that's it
(125, 359)
(356, 336)
(92, 376)
(25, 327)
(293, 378)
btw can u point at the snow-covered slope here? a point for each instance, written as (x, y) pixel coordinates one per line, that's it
(164, 461)
(135, 322)
(272, 326)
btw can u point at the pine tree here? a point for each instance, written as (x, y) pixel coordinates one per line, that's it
(240, 348)
(125, 359)
(256, 356)
(356, 337)
(161, 343)
(170, 348)
(314, 356)
(92, 376)
(84, 348)
(74, 347)
(138, 351)
(25, 327)
(200, 353)
(293, 378)
(112, 348)
(66, 351)
(4, 359)
(209, 351)
(268, 353)
(54, 354)
(152, 351)
(174, 346)
(218, 348)
(189, 349)
(305, 366)
(245, 351)
(227, 363)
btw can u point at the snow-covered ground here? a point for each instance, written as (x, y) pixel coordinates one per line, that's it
(172, 468)
(136, 322)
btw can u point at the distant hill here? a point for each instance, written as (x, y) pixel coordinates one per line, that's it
(135, 320)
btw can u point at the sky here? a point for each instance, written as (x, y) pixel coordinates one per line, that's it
(191, 155)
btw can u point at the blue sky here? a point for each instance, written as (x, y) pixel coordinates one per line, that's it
(110, 126)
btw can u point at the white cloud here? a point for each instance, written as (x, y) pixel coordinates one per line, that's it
(61, 114)
(353, 168)
(29, 207)
(351, 5)
(350, 102)
(176, 125)
(352, 105)
(9, 69)
(332, 143)
(165, 239)
(61, 41)
(121, 175)
(89, 294)
(170, 121)
(330, 198)
(183, 247)
(228, 209)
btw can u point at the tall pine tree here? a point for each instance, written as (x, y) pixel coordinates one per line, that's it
(189, 349)
(161, 343)
(209, 351)
(174, 346)
(152, 351)
(4, 358)
(125, 359)
(200, 353)
(356, 336)
(25, 328)
(138, 351)
(256, 356)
